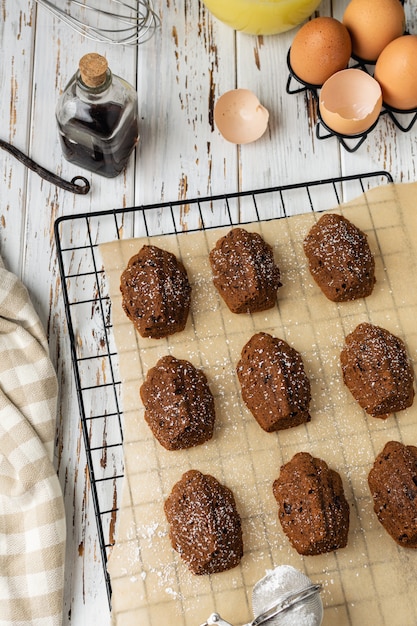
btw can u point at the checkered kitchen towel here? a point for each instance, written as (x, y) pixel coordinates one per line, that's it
(32, 522)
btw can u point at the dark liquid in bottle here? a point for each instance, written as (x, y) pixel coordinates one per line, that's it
(89, 138)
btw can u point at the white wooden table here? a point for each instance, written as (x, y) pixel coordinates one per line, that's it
(179, 74)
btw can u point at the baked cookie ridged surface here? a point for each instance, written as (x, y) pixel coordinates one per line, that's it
(156, 293)
(377, 370)
(244, 271)
(205, 526)
(393, 485)
(313, 510)
(273, 382)
(179, 406)
(340, 259)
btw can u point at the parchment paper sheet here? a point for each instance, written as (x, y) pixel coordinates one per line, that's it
(371, 581)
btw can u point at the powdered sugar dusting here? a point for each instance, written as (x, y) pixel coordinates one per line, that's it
(247, 459)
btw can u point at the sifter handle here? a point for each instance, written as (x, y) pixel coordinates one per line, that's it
(216, 620)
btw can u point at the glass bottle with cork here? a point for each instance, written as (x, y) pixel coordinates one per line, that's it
(97, 117)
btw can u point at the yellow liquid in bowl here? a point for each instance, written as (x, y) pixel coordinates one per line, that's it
(262, 17)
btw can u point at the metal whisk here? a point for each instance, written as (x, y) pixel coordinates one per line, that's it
(107, 21)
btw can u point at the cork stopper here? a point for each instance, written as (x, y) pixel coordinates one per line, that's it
(93, 68)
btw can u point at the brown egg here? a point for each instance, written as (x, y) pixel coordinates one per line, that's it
(396, 72)
(320, 48)
(372, 24)
(350, 102)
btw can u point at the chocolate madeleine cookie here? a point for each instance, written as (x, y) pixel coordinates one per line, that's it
(179, 406)
(156, 293)
(313, 510)
(205, 526)
(393, 484)
(340, 259)
(244, 271)
(273, 382)
(377, 370)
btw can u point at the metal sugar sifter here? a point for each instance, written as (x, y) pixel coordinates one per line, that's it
(284, 597)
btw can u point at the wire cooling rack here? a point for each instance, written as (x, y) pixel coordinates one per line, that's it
(88, 307)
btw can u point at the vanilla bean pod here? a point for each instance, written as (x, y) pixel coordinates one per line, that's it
(72, 185)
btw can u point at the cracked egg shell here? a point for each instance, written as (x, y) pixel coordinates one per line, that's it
(350, 102)
(240, 117)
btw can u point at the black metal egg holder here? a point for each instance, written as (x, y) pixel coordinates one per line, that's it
(351, 143)
(394, 113)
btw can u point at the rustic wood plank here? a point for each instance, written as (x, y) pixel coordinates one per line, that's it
(181, 72)
(16, 37)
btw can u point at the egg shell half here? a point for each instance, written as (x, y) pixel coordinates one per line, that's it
(372, 24)
(396, 72)
(350, 102)
(320, 48)
(240, 117)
